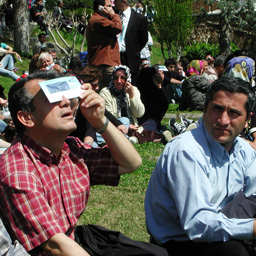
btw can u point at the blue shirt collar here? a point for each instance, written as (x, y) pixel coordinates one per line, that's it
(217, 149)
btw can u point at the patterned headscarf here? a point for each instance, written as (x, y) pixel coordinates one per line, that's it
(122, 101)
(195, 67)
(242, 67)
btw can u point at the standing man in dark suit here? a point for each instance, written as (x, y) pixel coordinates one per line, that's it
(133, 37)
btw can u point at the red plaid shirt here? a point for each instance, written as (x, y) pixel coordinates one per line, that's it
(41, 197)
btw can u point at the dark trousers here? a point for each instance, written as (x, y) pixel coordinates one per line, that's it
(124, 61)
(229, 248)
(239, 207)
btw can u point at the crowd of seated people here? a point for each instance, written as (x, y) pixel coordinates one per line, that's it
(101, 122)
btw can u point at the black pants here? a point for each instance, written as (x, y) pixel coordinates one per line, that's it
(229, 248)
(239, 207)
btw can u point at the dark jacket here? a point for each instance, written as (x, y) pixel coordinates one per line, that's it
(193, 93)
(153, 98)
(136, 38)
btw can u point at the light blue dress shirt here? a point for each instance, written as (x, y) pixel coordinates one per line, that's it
(7, 248)
(194, 178)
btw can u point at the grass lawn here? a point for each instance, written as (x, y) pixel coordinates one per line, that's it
(122, 208)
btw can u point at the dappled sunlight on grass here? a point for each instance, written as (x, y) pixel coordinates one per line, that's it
(122, 208)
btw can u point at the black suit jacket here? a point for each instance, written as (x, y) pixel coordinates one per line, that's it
(136, 38)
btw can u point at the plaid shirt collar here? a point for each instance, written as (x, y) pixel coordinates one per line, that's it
(44, 154)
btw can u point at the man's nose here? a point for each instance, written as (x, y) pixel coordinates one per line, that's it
(224, 118)
(65, 102)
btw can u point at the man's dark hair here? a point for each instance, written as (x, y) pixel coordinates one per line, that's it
(169, 62)
(233, 85)
(1, 36)
(220, 60)
(20, 99)
(41, 34)
(96, 3)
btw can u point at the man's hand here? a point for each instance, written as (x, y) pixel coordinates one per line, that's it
(107, 11)
(92, 106)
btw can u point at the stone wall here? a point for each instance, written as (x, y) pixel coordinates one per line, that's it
(207, 27)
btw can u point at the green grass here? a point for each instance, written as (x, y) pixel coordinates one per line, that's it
(122, 208)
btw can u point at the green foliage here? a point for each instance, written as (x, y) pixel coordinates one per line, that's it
(173, 23)
(69, 4)
(198, 51)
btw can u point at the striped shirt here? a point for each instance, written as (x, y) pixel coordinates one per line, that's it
(6, 246)
(41, 195)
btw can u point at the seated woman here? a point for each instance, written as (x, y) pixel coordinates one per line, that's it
(84, 131)
(122, 98)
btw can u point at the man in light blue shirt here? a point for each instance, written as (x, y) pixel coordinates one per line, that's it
(199, 173)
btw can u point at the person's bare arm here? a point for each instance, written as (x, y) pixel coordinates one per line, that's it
(62, 245)
(175, 81)
(92, 106)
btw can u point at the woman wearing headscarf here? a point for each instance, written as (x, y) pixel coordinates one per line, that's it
(122, 98)
(194, 87)
(244, 68)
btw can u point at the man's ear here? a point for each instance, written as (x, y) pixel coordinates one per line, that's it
(248, 120)
(25, 118)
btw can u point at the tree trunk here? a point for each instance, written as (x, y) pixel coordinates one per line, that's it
(21, 26)
(225, 37)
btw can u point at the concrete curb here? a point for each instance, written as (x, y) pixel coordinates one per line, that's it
(188, 115)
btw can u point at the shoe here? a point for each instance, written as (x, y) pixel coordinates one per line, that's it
(186, 122)
(133, 140)
(167, 136)
(15, 69)
(69, 26)
(191, 127)
(175, 127)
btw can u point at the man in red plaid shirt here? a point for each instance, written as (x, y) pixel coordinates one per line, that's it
(46, 175)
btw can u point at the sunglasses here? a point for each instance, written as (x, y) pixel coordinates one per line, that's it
(122, 77)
